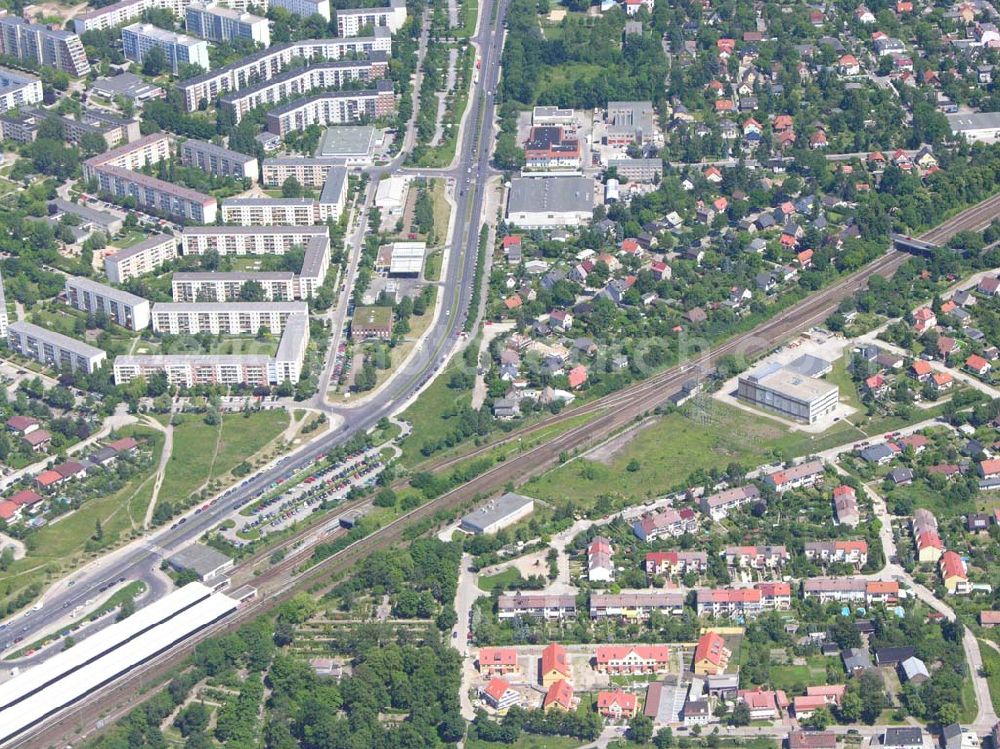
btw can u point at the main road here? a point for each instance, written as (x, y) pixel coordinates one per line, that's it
(140, 560)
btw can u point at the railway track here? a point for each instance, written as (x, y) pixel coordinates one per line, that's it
(611, 414)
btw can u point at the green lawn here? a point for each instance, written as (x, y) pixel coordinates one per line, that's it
(133, 237)
(467, 14)
(528, 741)
(202, 452)
(991, 661)
(502, 580)
(840, 377)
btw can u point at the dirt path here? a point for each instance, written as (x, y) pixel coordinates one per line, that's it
(161, 470)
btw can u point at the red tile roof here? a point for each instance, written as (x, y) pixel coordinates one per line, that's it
(555, 658)
(561, 694)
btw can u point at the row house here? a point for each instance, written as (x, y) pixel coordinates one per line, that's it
(851, 590)
(537, 605)
(796, 477)
(667, 522)
(633, 659)
(718, 506)
(636, 605)
(757, 557)
(600, 566)
(745, 602)
(849, 552)
(673, 563)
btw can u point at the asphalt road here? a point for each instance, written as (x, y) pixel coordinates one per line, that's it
(140, 560)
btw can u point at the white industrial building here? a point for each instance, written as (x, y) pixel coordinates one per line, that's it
(788, 393)
(498, 513)
(390, 196)
(401, 259)
(46, 689)
(979, 127)
(125, 309)
(550, 202)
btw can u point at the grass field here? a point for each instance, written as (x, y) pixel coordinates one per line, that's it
(528, 741)
(442, 210)
(202, 452)
(840, 377)
(792, 678)
(467, 14)
(502, 580)
(991, 661)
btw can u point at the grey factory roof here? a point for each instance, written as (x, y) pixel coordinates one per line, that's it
(62, 341)
(202, 559)
(345, 140)
(495, 511)
(974, 121)
(555, 194)
(126, 84)
(86, 284)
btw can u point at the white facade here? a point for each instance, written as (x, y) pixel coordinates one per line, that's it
(232, 318)
(54, 349)
(221, 24)
(239, 240)
(139, 38)
(140, 259)
(304, 8)
(351, 21)
(18, 89)
(270, 212)
(128, 310)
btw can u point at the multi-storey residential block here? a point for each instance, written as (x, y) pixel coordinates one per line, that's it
(218, 160)
(128, 310)
(54, 349)
(300, 81)
(270, 212)
(41, 45)
(636, 604)
(633, 659)
(849, 552)
(304, 8)
(114, 130)
(231, 318)
(179, 49)
(122, 12)
(536, 605)
(248, 240)
(220, 24)
(673, 563)
(718, 506)
(3, 311)
(188, 370)
(18, 89)
(307, 172)
(351, 21)
(333, 108)
(140, 259)
(269, 63)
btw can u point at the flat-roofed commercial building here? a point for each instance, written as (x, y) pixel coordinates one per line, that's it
(351, 21)
(248, 240)
(300, 81)
(128, 310)
(638, 170)
(227, 318)
(54, 349)
(46, 689)
(90, 217)
(38, 44)
(352, 145)
(333, 108)
(18, 89)
(789, 394)
(188, 370)
(547, 202)
(401, 259)
(129, 86)
(204, 561)
(140, 259)
(220, 24)
(629, 122)
(498, 513)
(218, 160)
(307, 172)
(269, 63)
(270, 211)
(179, 49)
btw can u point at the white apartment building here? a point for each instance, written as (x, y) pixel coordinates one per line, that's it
(228, 318)
(248, 240)
(3, 311)
(180, 49)
(18, 89)
(308, 172)
(128, 310)
(333, 108)
(140, 259)
(351, 21)
(270, 211)
(221, 24)
(53, 349)
(218, 160)
(120, 13)
(304, 8)
(269, 63)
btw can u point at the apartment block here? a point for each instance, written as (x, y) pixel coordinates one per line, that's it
(270, 211)
(218, 23)
(180, 49)
(41, 45)
(675, 562)
(248, 240)
(140, 259)
(333, 108)
(229, 318)
(308, 172)
(114, 130)
(53, 349)
(128, 310)
(850, 590)
(188, 370)
(269, 63)
(351, 21)
(536, 605)
(18, 89)
(300, 81)
(849, 552)
(122, 12)
(218, 160)
(304, 8)
(3, 311)
(636, 604)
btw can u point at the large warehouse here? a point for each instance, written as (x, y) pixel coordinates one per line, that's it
(788, 393)
(498, 513)
(44, 690)
(550, 202)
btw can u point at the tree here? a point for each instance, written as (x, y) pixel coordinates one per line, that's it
(252, 291)
(126, 609)
(291, 188)
(819, 720)
(154, 62)
(664, 738)
(640, 729)
(741, 715)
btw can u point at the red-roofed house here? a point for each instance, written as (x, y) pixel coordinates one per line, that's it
(617, 705)
(921, 370)
(805, 258)
(559, 696)
(954, 573)
(924, 319)
(22, 424)
(942, 381)
(713, 175)
(989, 619)
(26, 498)
(512, 302)
(514, 240)
(554, 664)
(37, 440)
(499, 695)
(632, 659)
(711, 656)
(47, 479)
(577, 376)
(763, 703)
(9, 511)
(876, 385)
(848, 65)
(124, 445)
(805, 705)
(978, 365)
(989, 469)
(832, 693)
(497, 661)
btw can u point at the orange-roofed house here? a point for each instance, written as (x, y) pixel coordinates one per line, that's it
(876, 385)
(499, 695)
(559, 696)
(978, 365)
(885, 592)
(633, 659)
(805, 705)
(720, 204)
(763, 703)
(904, 6)
(47, 479)
(497, 661)
(832, 693)
(924, 319)
(554, 665)
(713, 175)
(617, 705)
(577, 376)
(782, 122)
(805, 258)
(711, 656)
(848, 65)
(921, 370)
(725, 105)
(9, 510)
(514, 240)
(942, 381)
(954, 573)
(989, 469)
(513, 302)
(989, 619)
(930, 547)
